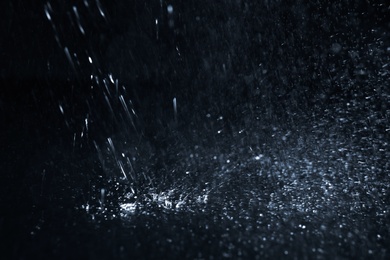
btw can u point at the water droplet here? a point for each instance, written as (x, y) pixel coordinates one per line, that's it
(170, 9)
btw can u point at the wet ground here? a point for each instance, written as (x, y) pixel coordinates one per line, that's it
(317, 189)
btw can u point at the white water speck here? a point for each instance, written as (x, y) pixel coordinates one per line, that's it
(258, 157)
(61, 109)
(175, 108)
(99, 5)
(76, 13)
(170, 9)
(47, 11)
(128, 207)
(111, 78)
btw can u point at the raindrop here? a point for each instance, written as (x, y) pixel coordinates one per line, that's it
(170, 9)
(175, 109)
(61, 109)
(47, 11)
(100, 8)
(67, 53)
(336, 47)
(78, 20)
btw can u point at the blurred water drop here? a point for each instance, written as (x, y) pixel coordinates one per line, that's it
(175, 109)
(86, 122)
(336, 47)
(61, 109)
(157, 29)
(76, 13)
(100, 8)
(102, 197)
(69, 57)
(48, 10)
(170, 9)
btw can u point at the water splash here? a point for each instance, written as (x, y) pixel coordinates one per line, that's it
(295, 170)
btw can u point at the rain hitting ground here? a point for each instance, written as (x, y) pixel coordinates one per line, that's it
(197, 130)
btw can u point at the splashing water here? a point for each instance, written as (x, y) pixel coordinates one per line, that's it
(317, 169)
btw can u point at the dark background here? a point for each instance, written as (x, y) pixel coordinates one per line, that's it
(212, 57)
(280, 61)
